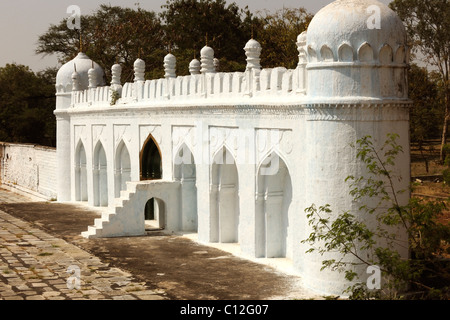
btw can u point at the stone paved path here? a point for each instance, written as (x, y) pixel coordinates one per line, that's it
(34, 266)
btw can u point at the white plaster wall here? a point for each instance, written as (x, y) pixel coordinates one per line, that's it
(331, 161)
(29, 168)
(249, 138)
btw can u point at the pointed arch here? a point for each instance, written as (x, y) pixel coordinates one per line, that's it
(122, 168)
(151, 160)
(274, 196)
(81, 193)
(312, 55)
(345, 53)
(400, 55)
(326, 54)
(100, 176)
(365, 53)
(185, 172)
(386, 54)
(224, 198)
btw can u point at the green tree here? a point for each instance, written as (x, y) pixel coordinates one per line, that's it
(27, 101)
(191, 24)
(277, 33)
(109, 35)
(428, 26)
(426, 113)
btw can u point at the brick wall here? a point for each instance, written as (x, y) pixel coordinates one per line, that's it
(28, 168)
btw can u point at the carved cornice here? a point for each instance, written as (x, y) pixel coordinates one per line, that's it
(389, 111)
(393, 110)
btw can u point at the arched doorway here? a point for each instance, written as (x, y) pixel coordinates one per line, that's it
(185, 172)
(151, 163)
(224, 199)
(154, 212)
(100, 177)
(272, 208)
(81, 193)
(122, 169)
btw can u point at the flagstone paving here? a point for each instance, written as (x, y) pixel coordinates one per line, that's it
(41, 241)
(34, 265)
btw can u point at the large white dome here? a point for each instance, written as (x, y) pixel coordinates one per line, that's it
(82, 63)
(355, 22)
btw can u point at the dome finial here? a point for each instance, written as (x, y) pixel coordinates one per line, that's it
(81, 42)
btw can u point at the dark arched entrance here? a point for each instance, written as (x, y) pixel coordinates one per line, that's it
(155, 215)
(151, 164)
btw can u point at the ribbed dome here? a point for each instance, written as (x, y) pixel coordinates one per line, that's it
(82, 63)
(355, 22)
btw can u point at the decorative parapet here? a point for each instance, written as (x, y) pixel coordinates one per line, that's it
(274, 82)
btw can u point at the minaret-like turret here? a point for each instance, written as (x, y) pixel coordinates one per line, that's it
(76, 75)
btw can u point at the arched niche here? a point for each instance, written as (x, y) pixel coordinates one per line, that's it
(365, 53)
(345, 52)
(81, 193)
(274, 196)
(400, 55)
(224, 198)
(100, 172)
(386, 54)
(326, 54)
(312, 55)
(122, 168)
(185, 172)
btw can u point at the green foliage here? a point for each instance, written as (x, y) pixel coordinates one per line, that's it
(428, 26)
(379, 244)
(446, 172)
(109, 35)
(190, 24)
(115, 34)
(427, 111)
(277, 33)
(27, 101)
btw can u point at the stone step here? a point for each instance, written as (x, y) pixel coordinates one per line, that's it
(91, 233)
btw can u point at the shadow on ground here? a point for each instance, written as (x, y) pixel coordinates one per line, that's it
(184, 269)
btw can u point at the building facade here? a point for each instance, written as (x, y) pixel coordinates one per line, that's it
(238, 157)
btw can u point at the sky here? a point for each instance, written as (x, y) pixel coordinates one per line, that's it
(23, 21)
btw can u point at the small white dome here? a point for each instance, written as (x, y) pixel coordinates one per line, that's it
(170, 58)
(302, 37)
(117, 68)
(207, 52)
(83, 64)
(252, 44)
(194, 64)
(139, 63)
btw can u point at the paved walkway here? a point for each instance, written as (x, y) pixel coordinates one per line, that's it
(41, 241)
(34, 266)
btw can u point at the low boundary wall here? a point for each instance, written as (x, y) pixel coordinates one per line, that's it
(28, 169)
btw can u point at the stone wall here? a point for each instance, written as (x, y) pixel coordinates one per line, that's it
(28, 168)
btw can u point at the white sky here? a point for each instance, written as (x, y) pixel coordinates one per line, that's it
(23, 21)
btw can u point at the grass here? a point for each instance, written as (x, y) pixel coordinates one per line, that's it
(44, 254)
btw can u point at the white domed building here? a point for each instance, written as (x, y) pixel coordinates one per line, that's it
(238, 157)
